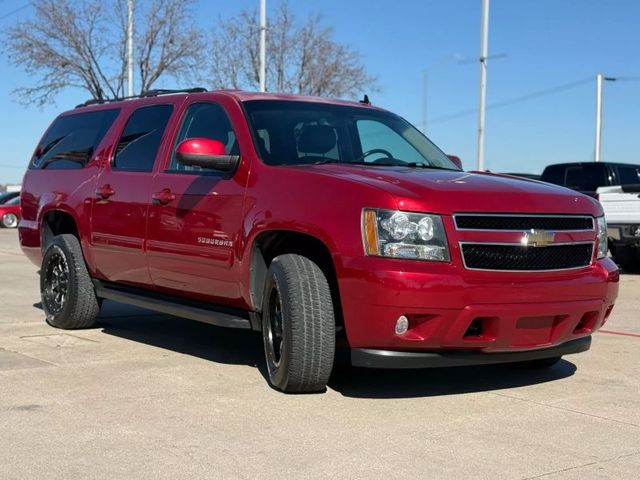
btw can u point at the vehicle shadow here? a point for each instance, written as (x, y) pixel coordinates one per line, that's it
(217, 344)
(369, 383)
(244, 347)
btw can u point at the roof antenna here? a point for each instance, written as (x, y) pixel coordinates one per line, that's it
(365, 100)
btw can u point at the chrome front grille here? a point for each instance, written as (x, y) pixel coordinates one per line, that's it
(525, 243)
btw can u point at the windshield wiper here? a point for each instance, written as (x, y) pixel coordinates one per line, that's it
(425, 165)
(327, 160)
(382, 164)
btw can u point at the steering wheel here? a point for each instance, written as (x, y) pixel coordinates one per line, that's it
(372, 151)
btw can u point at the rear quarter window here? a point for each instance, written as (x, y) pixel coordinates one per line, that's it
(553, 174)
(629, 175)
(72, 140)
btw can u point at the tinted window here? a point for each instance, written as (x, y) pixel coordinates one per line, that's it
(205, 120)
(553, 174)
(73, 139)
(141, 137)
(586, 177)
(5, 197)
(629, 175)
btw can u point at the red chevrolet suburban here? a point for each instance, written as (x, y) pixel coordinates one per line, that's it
(315, 222)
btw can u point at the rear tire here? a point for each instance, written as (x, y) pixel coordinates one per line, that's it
(298, 325)
(68, 297)
(10, 220)
(540, 363)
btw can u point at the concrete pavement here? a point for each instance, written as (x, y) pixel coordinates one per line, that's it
(151, 396)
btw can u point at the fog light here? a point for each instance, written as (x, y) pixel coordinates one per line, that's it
(402, 325)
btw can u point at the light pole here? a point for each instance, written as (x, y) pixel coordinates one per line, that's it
(600, 79)
(130, 7)
(484, 50)
(263, 46)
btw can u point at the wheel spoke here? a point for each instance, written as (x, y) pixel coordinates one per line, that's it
(56, 283)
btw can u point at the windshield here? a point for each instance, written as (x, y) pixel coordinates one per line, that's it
(304, 133)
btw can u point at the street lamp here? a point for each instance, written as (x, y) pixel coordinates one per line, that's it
(600, 79)
(484, 49)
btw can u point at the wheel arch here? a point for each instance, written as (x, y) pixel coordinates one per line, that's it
(57, 221)
(269, 244)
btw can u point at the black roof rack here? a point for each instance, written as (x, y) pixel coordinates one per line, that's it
(147, 93)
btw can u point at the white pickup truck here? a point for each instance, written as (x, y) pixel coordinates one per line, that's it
(622, 211)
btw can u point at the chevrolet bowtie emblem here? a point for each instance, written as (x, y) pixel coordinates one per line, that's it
(537, 238)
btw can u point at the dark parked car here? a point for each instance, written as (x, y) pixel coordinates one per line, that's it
(586, 177)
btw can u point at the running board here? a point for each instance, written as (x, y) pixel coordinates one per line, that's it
(201, 313)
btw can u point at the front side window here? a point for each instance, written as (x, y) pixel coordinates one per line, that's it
(204, 120)
(304, 133)
(140, 140)
(73, 139)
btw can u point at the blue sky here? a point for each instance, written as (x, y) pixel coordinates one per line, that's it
(547, 43)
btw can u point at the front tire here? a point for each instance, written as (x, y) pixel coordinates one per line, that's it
(298, 325)
(68, 297)
(9, 220)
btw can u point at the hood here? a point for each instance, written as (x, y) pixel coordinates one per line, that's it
(448, 191)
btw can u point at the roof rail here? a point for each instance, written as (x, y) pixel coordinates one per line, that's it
(147, 93)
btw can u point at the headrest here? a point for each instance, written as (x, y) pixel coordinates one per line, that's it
(317, 139)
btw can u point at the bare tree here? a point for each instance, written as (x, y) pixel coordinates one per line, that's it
(83, 45)
(301, 57)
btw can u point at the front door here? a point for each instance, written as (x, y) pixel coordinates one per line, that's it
(123, 190)
(195, 215)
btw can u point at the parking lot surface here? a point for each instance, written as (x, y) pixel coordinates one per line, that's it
(145, 395)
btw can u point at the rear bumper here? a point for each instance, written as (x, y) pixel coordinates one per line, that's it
(370, 358)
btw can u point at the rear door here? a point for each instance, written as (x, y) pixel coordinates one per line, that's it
(123, 190)
(196, 215)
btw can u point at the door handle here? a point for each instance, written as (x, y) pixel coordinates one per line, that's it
(104, 192)
(163, 197)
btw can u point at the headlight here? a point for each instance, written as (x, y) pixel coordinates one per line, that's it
(391, 233)
(602, 237)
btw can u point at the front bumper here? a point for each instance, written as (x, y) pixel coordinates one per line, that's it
(451, 309)
(390, 359)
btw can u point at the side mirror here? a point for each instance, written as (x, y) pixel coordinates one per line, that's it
(206, 153)
(456, 160)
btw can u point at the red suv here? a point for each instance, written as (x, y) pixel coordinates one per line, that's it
(313, 221)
